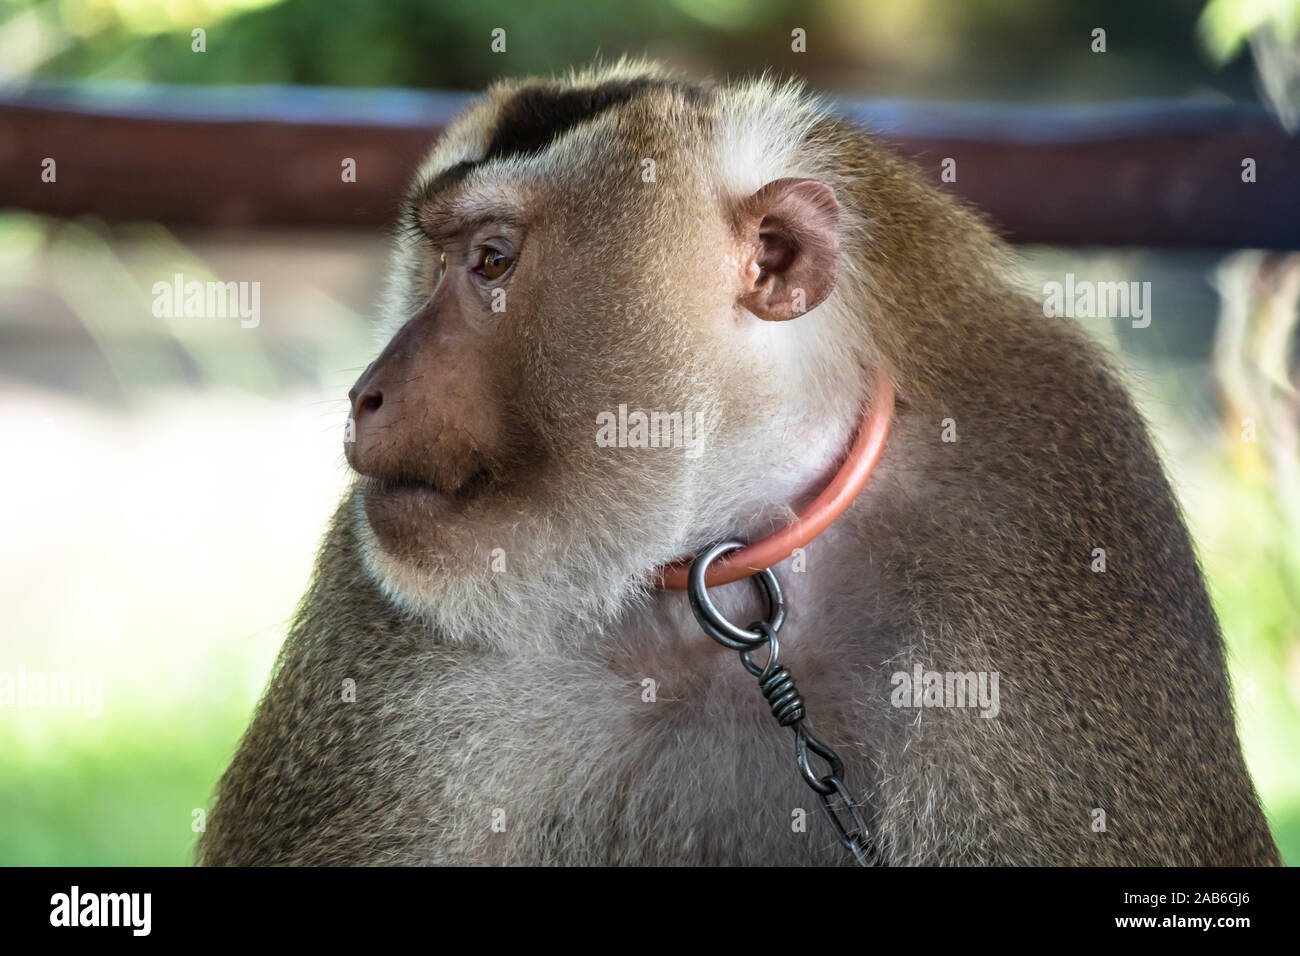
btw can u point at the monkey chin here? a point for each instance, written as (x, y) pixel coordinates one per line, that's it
(413, 528)
(475, 571)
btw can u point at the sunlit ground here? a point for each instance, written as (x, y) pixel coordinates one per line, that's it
(165, 487)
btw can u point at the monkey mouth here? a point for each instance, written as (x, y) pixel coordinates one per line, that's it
(416, 520)
(407, 487)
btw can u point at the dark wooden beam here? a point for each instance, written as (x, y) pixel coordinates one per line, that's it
(1141, 173)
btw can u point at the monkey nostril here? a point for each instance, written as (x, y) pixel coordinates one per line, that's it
(365, 404)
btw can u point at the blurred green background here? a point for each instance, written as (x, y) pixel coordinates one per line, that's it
(167, 482)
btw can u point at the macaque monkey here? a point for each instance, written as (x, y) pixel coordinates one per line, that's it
(485, 668)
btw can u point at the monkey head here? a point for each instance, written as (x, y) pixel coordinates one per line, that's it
(590, 371)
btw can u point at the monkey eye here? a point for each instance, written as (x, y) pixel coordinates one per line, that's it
(492, 263)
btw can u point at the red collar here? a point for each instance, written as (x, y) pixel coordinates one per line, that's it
(814, 519)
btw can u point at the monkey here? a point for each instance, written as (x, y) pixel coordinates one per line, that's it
(484, 668)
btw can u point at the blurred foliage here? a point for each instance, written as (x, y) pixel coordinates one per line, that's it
(1226, 25)
(1272, 30)
(1010, 49)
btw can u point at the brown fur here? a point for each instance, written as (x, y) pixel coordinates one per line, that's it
(970, 556)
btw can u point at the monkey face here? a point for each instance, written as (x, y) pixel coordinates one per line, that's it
(591, 374)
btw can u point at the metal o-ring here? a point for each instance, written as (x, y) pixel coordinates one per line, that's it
(717, 626)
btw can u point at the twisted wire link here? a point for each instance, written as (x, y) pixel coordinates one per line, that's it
(783, 696)
(775, 680)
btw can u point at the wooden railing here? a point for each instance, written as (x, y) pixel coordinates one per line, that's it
(1146, 173)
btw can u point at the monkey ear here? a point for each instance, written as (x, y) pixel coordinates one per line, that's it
(790, 232)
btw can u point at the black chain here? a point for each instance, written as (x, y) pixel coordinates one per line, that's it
(779, 690)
